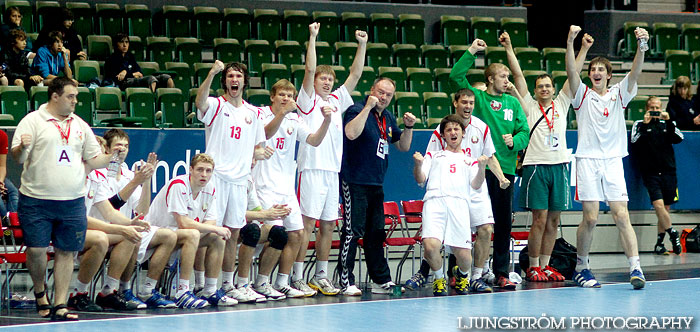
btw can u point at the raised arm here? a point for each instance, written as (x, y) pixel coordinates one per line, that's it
(418, 168)
(274, 125)
(316, 138)
(404, 143)
(478, 180)
(310, 67)
(638, 62)
(458, 78)
(203, 91)
(354, 128)
(146, 172)
(358, 64)
(495, 168)
(518, 77)
(571, 70)
(586, 44)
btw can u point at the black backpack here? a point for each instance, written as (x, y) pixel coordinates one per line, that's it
(692, 240)
(563, 258)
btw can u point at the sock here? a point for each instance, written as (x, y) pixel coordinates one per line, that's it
(261, 279)
(424, 268)
(210, 285)
(81, 287)
(282, 280)
(544, 260)
(321, 269)
(476, 273)
(148, 286)
(182, 288)
(227, 279)
(297, 271)
(634, 263)
(581, 263)
(439, 274)
(109, 286)
(463, 274)
(240, 282)
(198, 279)
(669, 231)
(124, 285)
(660, 238)
(534, 261)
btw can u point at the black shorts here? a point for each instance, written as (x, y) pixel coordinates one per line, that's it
(662, 186)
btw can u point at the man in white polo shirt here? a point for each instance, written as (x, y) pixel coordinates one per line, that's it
(56, 147)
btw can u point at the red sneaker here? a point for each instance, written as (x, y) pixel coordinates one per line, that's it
(534, 273)
(505, 283)
(553, 274)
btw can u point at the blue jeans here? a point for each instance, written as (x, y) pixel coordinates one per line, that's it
(12, 198)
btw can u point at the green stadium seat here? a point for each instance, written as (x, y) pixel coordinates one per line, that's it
(296, 25)
(665, 38)
(324, 53)
(43, 10)
(529, 58)
(383, 28)
(378, 55)
(530, 78)
(330, 26)
(177, 21)
(268, 24)
(442, 79)
(193, 122)
(148, 67)
(25, 8)
(434, 56)
(227, 50)
(395, 73)
(298, 72)
(366, 80)
(341, 75)
(83, 14)
(485, 28)
(201, 70)
(141, 103)
(86, 70)
(188, 50)
(289, 52)
(183, 74)
(357, 96)
(475, 75)
(406, 55)
(138, 20)
(273, 72)
(411, 29)
(559, 77)
(108, 99)
(207, 24)
(454, 30)
(351, 22)
(257, 52)
(496, 54)
(677, 63)
(419, 80)
(409, 102)
(109, 18)
(456, 52)
(13, 101)
(237, 23)
(171, 103)
(696, 66)
(517, 30)
(437, 106)
(636, 108)
(629, 47)
(38, 95)
(258, 97)
(554, 59)
(345, 53)
(160, 49)
(137, 48)
(99, 47)
(690, 33)
(84, 108)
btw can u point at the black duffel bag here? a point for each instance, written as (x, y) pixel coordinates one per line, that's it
(563, 258)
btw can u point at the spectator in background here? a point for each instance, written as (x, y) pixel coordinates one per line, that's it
(9, 192)
(652, 142)
(63, 23)
(13, 20)
(15, 62)
(682, 107)
(51, 60)
(121, 68)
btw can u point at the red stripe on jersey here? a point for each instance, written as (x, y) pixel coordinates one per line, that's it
(99, 174)
(334, 96)
(218, 107)
(475, 162)
(576, 192)
(429, 154)
(299, 189)
(312, 108)
(619, 93)
(585, 93)
(176, 181)
(486, 132)
(439, 138)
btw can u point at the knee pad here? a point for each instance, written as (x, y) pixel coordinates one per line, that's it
(277, 237)
(250, 235)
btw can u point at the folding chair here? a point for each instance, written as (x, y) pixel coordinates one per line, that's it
(392, 217)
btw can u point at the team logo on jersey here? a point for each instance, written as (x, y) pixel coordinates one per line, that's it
(556, 115)
(205, 207)
(91, 194)
(389, 132)
(475, 139)
(290, 130)
(80, 135)
(614, 98)
(248, 120)
(496, 105)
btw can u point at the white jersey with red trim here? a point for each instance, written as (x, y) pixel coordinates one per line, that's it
(447, 173)
(176, 197)
(94, 181)
(601, 120)
(329, 154)
(476, 142)
(231, 134)
(111, 187)
(277, 173)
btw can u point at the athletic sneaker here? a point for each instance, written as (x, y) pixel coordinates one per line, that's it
(352, 290)
(535, 274)
(157, 300)
(660, 249)
(461, 283)
(189, 301)
(489, 277)
(552, 274)
(505, 283)
(675, 241)
(586, 279)
(132, 299)
(82, 302)
(440, 287)
(114, 301)
(304, 288)
(269, 292)
(415, 282)
(248, 295)
(637, 279)
(219, 298)
(324, 286)
(289, 291)
(385, 288)
(480, 286)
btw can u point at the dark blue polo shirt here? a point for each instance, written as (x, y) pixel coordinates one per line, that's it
(361, 165)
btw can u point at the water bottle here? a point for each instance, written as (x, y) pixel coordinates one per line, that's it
(643, 45)
(113, 166)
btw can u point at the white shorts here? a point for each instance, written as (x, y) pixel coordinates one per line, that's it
(318, 193)
(231, 203)
(444, 219)
(480, 212)
(144, 253)
(601, 180)
(293, 221)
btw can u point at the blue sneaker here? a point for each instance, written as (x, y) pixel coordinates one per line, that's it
(129, 296)
(480, 286)
(157, 300)
(219, 298)
(415, 282)
(637, 279)
(188, 301)
(586, 279)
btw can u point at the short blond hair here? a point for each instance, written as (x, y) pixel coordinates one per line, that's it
(650, 99)
(283, 84)
(201, 158)
(494, 68)
(324, 69)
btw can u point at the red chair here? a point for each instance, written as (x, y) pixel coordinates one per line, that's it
(398, 236)
(13, 255)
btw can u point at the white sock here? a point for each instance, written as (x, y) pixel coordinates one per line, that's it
(124, 285)
(226, 279)
(464, 273)
(109, 286)
(534, 261)
(476, 272)
(321, 269)
(240, 282)
(210, 285)
(198, 279)
(282, 280)
(634, 263)
(182, 288)
(148, 286)
(439, 274)
(581, 263)
(544, 260)
(261, 279)
(81, 287)
(297, 271)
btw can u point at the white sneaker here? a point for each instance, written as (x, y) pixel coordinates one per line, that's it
(489, 277)
(269, 292)
(352, 290)
(259, 298)
(385, 288)
(289, 291)
(243, 294)
(302, 286)
(324, 286)
(219, 298)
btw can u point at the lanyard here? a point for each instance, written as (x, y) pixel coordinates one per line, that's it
(544, 114)
(64, 134)
(381, 125)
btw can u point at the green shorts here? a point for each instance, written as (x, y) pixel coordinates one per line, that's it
(545, 187)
